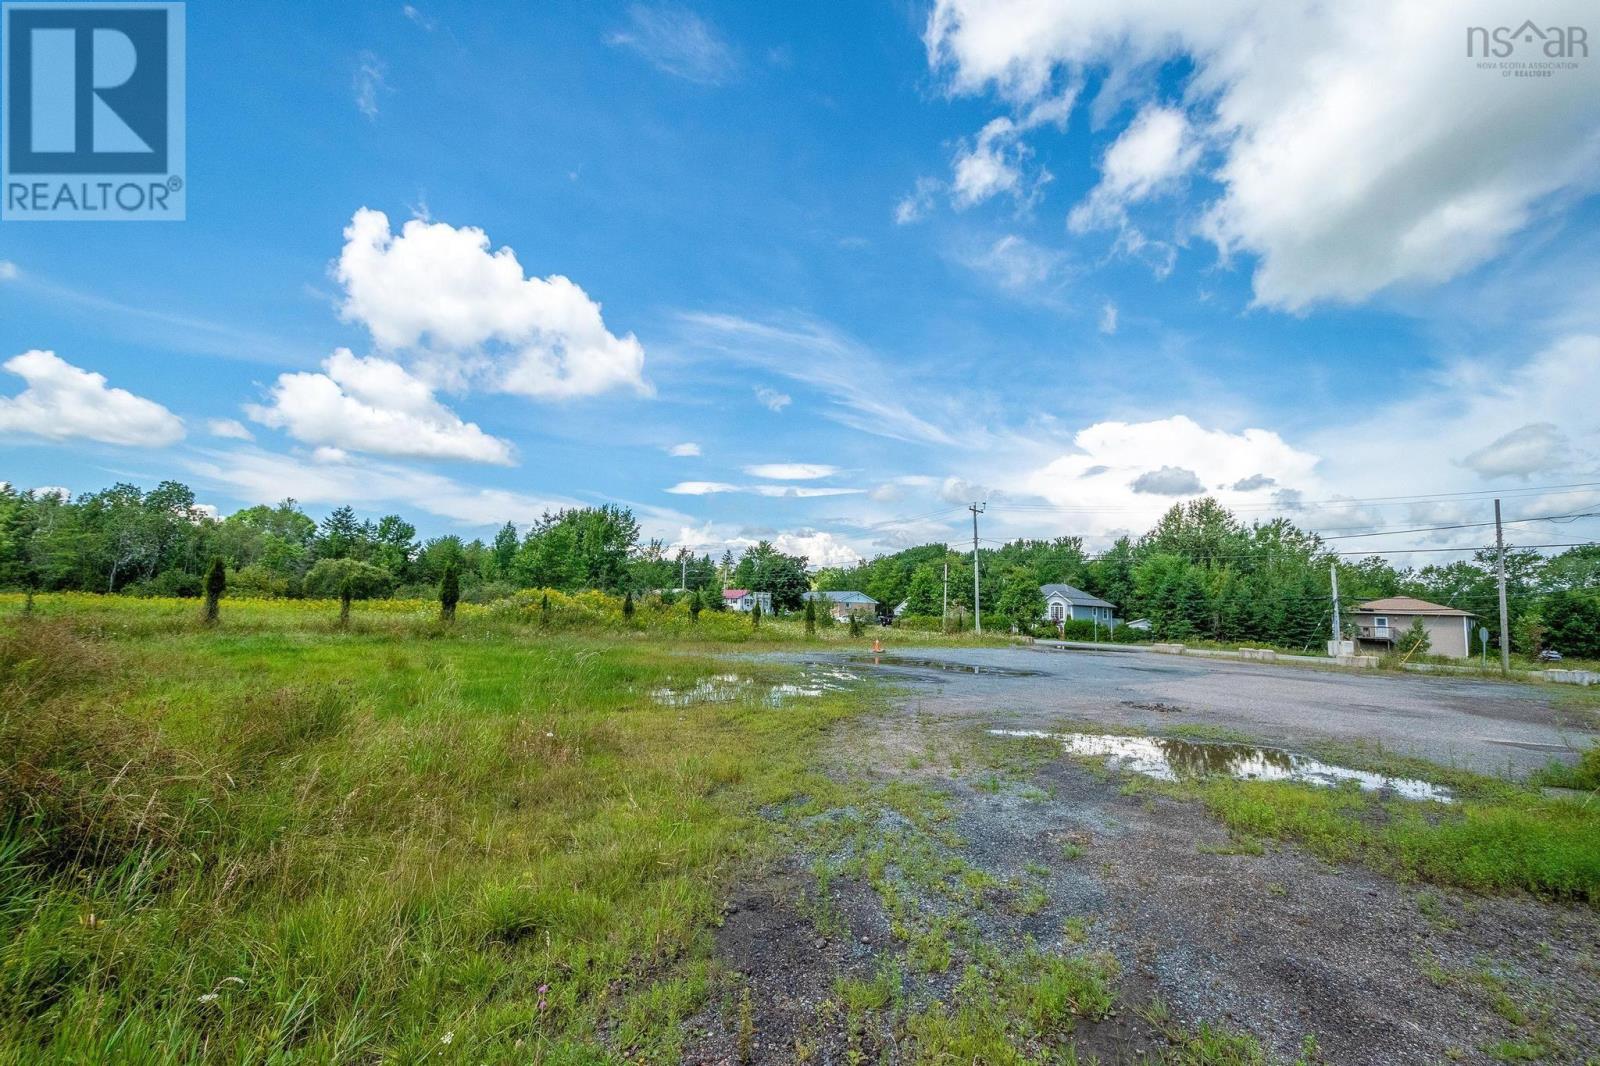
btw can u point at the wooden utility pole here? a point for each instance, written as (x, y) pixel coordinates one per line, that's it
(977, 610)
(1500, 578)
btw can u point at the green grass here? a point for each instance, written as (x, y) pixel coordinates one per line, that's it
(276, 841)
(1515, 841)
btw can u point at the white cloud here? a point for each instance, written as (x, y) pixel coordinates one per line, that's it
(369, 82)
(1168, 481)
(1154, 151)
(1254, 482)
(677, 42)
(819, 548)
(258, 476)
(990, 165)
(798, 492)
(63, 401)
(228, 429)
(1108, 318)
(994, 161)
(60, 492)
(1016, 263)
(374, 405)
(791, 471)
(1538, 447)
(472, 315)
(1122, 475)
(8, 270)
(772, 399)
(701, 488)
(863, 394)
(1360, 146)
(917, 203)
(687, 450)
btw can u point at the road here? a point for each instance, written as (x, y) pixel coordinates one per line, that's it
(1488, 726)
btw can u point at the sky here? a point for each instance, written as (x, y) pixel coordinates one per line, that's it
(826, 274)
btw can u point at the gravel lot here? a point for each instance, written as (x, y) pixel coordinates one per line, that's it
(1487, 726)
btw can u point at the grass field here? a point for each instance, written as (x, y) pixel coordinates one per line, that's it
(279, 839)
(285, 839)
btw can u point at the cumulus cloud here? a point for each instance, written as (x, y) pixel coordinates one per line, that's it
(1168, 481)
(62, 402)
(373, 405)
(228, 429)
(1535, 448)
(687, 450)
(677, 42)
(772, 399)
(995, 160)
(1253, 482)
(1359, 146)
(1154, 151)
(791, 471)
(819, 548)
(469, 314)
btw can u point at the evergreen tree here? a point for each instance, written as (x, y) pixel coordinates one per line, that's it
(544, 610)
(755, 616)
(347, 590)
(216, 584)
(627, 606)
(811, 618)
(694, 606)
(449, 593)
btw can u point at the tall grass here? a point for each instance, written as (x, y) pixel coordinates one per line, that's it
(276, 841)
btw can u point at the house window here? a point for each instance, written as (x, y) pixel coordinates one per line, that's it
(1055, 612)
(1380, 622)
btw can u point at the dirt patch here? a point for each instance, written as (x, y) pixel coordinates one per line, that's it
(1317, 963)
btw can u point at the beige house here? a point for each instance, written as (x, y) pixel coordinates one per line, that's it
(1381, 624)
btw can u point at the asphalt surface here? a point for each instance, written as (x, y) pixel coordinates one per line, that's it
(1488, 726)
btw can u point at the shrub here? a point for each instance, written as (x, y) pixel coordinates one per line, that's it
(329, 577)
(216, 584)
(449, 593)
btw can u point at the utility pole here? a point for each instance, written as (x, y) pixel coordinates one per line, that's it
(683, 569)
(977, 610)
(1333, 572)
(944, 601)
(1500, 578)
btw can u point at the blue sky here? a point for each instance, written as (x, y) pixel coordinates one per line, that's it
(862, 263)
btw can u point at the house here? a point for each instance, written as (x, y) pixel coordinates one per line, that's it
(1063, 603)
(745, 600)
(1381, 624)
(844, 604)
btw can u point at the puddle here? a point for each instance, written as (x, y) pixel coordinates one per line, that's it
(1169, 759)
(815, 680)
(945, 665)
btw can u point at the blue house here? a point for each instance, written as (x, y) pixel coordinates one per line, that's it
(1063, 603)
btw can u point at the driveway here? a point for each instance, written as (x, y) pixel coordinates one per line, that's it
(1488, 726)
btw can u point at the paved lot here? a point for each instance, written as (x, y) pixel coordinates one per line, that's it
(1484, 725)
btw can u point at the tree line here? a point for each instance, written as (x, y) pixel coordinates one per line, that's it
(1198, 573)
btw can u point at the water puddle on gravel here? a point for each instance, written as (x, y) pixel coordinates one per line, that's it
(945, 665)
(1169, 759)
(815, 680)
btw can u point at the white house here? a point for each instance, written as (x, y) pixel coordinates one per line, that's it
(744, 600)
(1380, 625)
(1063, 603)
(844, 604)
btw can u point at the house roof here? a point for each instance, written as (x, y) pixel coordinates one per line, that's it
(735, 594)
(1075, 596)
(1409, 605)
(843, 597)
